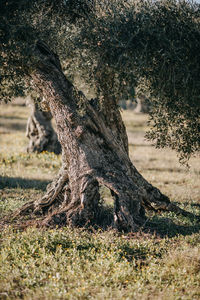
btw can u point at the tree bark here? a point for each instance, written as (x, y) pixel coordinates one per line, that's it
(40, 132)
(95, 152)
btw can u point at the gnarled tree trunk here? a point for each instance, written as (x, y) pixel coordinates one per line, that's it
(95, 152)
(39, 130)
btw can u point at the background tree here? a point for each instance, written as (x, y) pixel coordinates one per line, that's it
(39, 130)
(112, 46)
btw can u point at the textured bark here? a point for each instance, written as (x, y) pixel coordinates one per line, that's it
(40, 132)
(95, 152)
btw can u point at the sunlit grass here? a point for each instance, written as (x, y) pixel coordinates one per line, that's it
(71, 264)
(93, 264)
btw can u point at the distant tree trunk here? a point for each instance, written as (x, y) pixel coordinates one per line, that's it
(95, 152)
(143, 105)
(40, 132)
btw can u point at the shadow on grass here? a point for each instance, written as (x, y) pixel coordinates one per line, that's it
(140, 145)
(13, 118)
(171, 170)
(156, 225)
(162, 226)
(14, 126)
(193, 204)
(23, 183)
(166, 227)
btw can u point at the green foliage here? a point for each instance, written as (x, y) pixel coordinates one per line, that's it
(154, 46)
(22, 24)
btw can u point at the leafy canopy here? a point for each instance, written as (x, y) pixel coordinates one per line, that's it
(22, 24)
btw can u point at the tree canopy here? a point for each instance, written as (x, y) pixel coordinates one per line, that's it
(22, 24)
(114, 46)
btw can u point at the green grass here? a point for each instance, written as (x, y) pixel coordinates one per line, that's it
(94, 264)
(76, 264)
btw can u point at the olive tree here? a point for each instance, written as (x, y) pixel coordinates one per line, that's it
(112, 45)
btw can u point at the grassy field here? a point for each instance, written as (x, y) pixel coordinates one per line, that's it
(97, 264)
